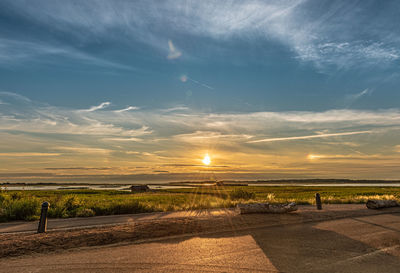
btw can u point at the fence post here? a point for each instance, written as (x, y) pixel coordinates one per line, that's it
(318, 201)
(43, 217)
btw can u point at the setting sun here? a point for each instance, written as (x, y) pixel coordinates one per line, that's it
(206, 160)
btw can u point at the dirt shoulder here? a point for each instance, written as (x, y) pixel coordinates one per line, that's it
(12, 245)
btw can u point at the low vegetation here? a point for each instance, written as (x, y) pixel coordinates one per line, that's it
(238, 194)
(25, 205)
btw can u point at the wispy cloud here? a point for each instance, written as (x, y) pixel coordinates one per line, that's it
(185, 78)
(80, 168)
(347, 54)
(13, 52)
(98, 107)
(313, 33)
(309, 137)
(129, 108)
(356, 156)
(173, 52)
(361, 94)
(83, 150)
(352, 98)
(123, 139)
(200, 136)
(27, 154)
(176, 109)
(64, 136)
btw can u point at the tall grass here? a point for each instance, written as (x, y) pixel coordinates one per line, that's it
(238, 194)
(25, 205)
(17, 206)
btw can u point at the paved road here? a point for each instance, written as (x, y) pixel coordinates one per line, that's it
(353, 244)
(54, 224)
(71, 223)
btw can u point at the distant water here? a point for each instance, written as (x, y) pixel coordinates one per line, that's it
(328, 184)
(86, 187)
(160, 186)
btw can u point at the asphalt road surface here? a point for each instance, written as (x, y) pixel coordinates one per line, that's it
(353, 244)
(56, 224)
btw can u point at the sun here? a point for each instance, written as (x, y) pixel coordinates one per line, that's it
(207, 160)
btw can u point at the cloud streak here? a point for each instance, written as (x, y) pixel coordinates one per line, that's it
(98, 107)
(185, 78)
(27, 154)
(309, 137)
(14, 52)
(129, 108)
(314, 34)
(352, 98)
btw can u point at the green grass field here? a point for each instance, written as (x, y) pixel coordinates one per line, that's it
(25, 205)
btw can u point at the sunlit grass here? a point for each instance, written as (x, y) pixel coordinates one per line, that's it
(25, 205)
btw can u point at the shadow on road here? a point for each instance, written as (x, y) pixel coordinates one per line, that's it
(355, 244)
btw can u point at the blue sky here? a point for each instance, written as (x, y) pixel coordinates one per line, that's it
(232, 75)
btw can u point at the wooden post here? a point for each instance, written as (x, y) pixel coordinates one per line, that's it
(318, 201)
(43, 218)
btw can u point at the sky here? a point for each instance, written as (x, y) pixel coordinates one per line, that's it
(142, 90)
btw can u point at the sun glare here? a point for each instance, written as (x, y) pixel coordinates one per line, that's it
(312, 157)
(206, 160)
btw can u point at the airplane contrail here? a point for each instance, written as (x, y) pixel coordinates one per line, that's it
(185, 78)
(308, 137)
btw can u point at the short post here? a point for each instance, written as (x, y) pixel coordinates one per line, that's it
(43, 218)
(318, 201)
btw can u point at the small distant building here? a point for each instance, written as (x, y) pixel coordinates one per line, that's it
(139, 188)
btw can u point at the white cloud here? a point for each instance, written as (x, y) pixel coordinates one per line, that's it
(129, 108)
(173, 52)
(176, 109)
(98, 107)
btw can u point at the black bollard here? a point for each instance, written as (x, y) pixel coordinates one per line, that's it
(43, 218)
(318, 201)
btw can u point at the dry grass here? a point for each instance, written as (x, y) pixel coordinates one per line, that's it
(25, 205)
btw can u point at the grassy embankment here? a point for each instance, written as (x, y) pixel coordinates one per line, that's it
(25, 205)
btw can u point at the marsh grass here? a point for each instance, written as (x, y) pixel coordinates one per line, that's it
(238, 194)
(18, 206)
(25, 205)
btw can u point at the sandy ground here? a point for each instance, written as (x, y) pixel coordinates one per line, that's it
(341, 239)
(155, 227)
